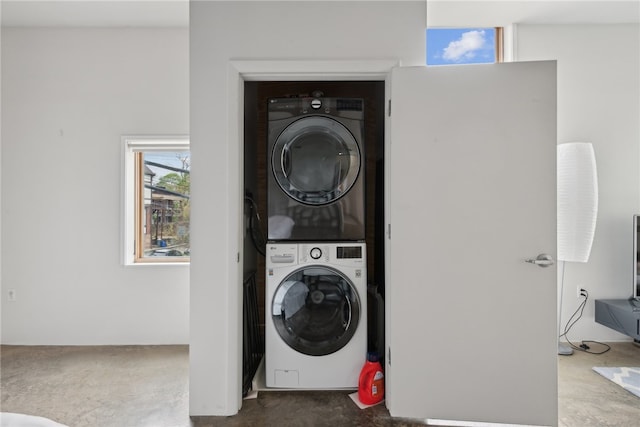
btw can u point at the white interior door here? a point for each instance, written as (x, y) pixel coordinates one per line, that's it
(472, 195)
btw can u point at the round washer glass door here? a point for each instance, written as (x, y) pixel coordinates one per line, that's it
(316, 310)
(315, 160)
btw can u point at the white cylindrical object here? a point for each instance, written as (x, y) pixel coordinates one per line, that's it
(577, 200)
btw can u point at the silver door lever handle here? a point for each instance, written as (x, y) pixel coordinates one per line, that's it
(542, 260)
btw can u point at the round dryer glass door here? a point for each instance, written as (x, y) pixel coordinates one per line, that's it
(316, 310)
(315, 160)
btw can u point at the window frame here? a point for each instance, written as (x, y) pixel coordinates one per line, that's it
(133, 204)
(499, 44)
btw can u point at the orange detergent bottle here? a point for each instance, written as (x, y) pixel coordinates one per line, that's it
(371, 383)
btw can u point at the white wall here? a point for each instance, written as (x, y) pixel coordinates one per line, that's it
(67, 97)
(598, 102)
(220, 32)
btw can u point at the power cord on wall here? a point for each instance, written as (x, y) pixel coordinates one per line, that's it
(584, 345)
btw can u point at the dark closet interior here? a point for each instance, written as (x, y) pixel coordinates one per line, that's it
(256, 94)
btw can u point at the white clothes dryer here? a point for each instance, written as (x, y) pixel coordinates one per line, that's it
(316, 315)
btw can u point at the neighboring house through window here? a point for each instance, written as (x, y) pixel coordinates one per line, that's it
(157, 203)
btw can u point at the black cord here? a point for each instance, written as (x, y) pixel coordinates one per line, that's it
(572, 321)
(257, 238)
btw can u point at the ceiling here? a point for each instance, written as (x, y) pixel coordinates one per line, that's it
(440, 13)
(95, 13)
(472, 13)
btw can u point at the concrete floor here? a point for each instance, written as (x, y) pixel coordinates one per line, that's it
(148, 386)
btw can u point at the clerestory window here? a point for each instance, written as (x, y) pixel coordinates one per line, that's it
(450, 46)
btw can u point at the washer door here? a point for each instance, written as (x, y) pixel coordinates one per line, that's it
(316, 310)
(315, 160)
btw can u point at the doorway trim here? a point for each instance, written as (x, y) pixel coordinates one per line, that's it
(239, 71)
(282, 70)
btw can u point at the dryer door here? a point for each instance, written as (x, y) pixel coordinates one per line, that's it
(315, 160)
(316, 310)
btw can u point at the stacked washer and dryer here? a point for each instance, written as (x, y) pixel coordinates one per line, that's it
(316, 279)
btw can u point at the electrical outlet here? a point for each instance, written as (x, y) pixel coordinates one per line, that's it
(11, 295)
(581, 292)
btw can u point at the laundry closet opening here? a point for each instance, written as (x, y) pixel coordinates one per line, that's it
(257, 171)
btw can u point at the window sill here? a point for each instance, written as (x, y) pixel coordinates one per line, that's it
(157, 264)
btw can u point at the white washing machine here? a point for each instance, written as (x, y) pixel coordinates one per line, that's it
(316, 315)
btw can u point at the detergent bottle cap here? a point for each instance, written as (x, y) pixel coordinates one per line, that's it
(372, 356)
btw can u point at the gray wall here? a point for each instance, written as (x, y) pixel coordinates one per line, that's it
(220, 33)
(598, 102)
(67, 96)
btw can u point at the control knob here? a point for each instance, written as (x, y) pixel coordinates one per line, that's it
(315, 253)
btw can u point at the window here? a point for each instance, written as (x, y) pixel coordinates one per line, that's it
(464, 45)
(157, 200)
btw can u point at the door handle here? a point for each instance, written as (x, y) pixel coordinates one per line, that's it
(542, 260)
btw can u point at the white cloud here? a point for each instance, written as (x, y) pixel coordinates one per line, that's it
(466, 47)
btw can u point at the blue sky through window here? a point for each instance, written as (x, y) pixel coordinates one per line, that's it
(168, 158)
(447, 46)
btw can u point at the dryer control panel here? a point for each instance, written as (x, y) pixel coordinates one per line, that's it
(287, 107)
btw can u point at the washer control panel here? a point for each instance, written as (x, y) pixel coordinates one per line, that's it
(286, 255)
(343, 254)
(349, 252)
(314, 252)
